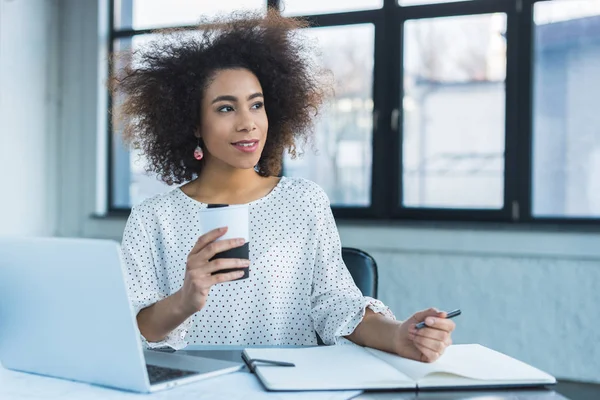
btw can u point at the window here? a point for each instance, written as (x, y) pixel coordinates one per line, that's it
(420, 2)
(308, 7)
(151, 14)
(454, 97)
(130, 182)
(566, 124)
(344, 129)
(471, 110)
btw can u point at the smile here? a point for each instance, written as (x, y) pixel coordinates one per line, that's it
(247, 146)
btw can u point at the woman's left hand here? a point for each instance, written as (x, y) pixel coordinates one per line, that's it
(426, 344)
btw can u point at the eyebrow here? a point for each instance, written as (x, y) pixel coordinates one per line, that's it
(234, 99)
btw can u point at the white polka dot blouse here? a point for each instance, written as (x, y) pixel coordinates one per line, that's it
(298, 284)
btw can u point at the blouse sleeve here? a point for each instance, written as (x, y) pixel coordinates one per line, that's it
(143, 283)
(337, 304)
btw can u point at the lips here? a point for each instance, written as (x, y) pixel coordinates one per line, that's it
(246, 146)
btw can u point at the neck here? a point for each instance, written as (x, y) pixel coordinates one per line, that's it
(224, 184)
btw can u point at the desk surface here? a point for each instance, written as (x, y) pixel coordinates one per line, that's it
(532, 394)
(21, 386)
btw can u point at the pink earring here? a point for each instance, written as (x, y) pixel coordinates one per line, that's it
(198, 153)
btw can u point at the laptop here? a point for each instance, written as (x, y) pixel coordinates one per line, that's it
(64, 312)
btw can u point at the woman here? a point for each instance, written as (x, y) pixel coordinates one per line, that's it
(217, 109)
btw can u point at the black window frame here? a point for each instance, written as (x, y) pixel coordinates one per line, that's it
(386, 179)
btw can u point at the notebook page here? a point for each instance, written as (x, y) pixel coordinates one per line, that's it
(470, 361)
(341, 367)
(414, 369)
(479, 362)
(445, 380)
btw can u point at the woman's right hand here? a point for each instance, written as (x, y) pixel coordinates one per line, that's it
(199, 270)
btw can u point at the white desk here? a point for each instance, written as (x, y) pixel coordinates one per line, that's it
(20, 386)
(236, 386)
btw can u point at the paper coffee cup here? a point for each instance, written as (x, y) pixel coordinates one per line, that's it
(236, 219)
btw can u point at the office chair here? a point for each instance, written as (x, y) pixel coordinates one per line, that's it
(363, 269)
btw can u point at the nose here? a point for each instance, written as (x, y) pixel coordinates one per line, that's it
(245, 122)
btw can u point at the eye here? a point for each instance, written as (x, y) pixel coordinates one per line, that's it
(258, 105)
(225, 109)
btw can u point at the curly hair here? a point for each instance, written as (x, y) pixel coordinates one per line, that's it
(163, 85)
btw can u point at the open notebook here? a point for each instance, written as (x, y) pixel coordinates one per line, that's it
(346, 367)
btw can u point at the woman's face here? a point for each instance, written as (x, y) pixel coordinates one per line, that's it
(234, 122)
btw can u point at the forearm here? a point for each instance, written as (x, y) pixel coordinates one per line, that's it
(376, 331)
(158, 320)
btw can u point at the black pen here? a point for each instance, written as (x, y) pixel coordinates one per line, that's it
(451, 314)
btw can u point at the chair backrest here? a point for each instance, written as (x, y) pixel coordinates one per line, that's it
(363, 269)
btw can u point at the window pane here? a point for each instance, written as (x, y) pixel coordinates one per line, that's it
(454, 112)
(144, 14)
(343, 138)
(419, 2)
(310, 7)
(566, 133)
(130, 183)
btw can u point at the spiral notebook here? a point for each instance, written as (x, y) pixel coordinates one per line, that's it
(347, 367)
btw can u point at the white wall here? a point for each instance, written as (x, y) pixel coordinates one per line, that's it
(533, 295)
(28, 82)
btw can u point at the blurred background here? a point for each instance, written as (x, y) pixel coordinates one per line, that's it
(461, 150)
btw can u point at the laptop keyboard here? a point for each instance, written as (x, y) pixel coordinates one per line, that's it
(158, 374)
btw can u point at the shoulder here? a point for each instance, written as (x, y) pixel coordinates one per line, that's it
(157, 204)
(305, 189)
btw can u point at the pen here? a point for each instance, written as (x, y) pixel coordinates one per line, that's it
(451, 314)
(272, 362)
(251, 363)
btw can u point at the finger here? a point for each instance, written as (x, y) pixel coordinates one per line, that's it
(442, 324)
(431, 333)
(226, 263)
(226, 277)
(427, 355)
(431, 344)
(219, 246)
(444, 338)
(430, 312)
(208, 237)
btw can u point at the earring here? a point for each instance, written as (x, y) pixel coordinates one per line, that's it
(198, 153)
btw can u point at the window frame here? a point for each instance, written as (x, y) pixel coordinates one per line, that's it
(387, 92)
(456, 9)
